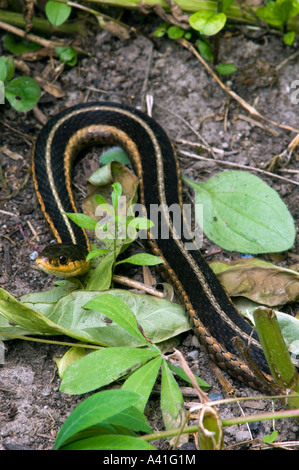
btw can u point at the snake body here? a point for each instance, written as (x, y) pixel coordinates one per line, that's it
(214, 319)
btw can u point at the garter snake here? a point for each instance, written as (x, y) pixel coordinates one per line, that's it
(214, 319)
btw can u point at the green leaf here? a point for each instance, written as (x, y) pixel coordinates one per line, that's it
(83, 220)
(118, 311)
(271, 437)
(3, 70)
(96, 408)
(205, 50)
(102, 367)
(172, 402)
(242, 213)
(110, 443)
(140, 223)
(63, 313)
(96, 252)
(10, 67)
(226, 69)
(116, 193)
(16, 45)
(114, 154)
(142, 259)
(142, 381)
(57, 12)
(22, 93)
(68, 55)
(181, 373)
(161, 30)
(207, 22)
(288, 38)
(101, 277)
(175, 32)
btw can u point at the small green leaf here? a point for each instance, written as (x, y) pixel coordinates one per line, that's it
(114, 154)
(242, 213)
(172, 402)
(16, 45)
(68, 55)
(142, 259)
(116, 193)
(3, 70)
(161, 30)
(175, 32)
(10, 67)
(226, 69)
(96, 252)
(140, 223)
(288, 38)
(271, 437)
(83, 220)
(205, 50)
(207, 22)
(57, 12)
(22, 93)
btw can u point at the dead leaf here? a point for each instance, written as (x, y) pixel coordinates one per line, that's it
(259, 281)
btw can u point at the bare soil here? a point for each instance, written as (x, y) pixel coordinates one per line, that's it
(32, 409)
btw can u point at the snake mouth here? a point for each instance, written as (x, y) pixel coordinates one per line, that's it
(63, 260)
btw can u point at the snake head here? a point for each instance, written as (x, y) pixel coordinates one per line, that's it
(63, 260)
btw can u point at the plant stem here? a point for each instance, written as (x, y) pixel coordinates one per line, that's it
(43, 25)
(234, 12)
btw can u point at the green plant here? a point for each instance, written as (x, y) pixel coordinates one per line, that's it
(116, 233)
(278, 13)
(22, 93)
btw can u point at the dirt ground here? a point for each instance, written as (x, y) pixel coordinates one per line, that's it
(32, 409)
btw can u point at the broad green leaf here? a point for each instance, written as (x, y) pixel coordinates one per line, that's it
(242, 213)
(131, 418)
(102, 367)
(26, 317)
(22, 93)
(172, 402)
(96, 408)
(57, 12)
(110, 443)
(60, 312)
(207, 22)
(119, 312)
(142, 259)
(142, 381)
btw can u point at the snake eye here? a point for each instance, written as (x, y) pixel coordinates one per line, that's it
(63, 259)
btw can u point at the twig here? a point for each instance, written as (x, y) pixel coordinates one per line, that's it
(237, 165)
(125, 281)
(250, 109)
